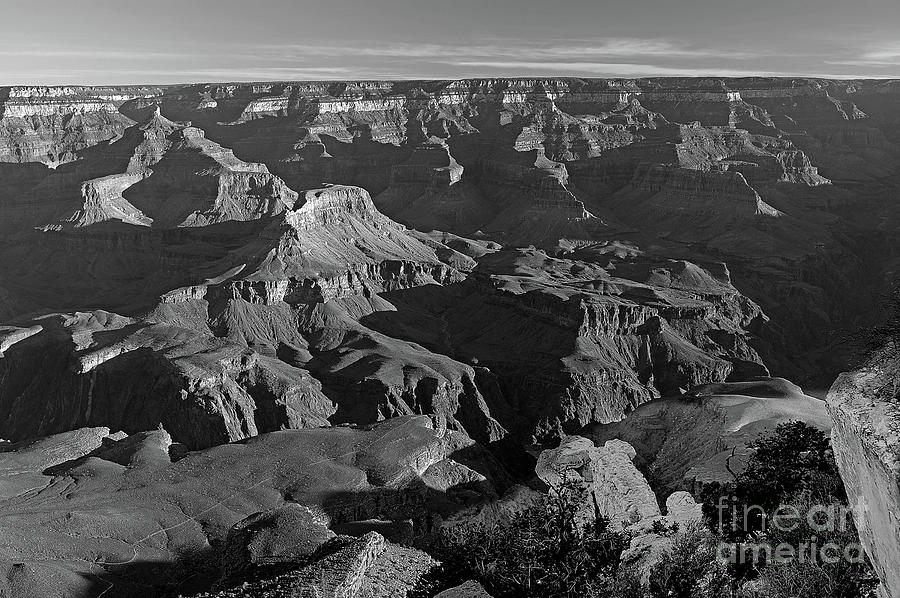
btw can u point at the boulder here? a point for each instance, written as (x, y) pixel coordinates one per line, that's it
(681, 508)
(617, 490)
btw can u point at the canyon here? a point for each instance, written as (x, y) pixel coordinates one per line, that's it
(198, 283)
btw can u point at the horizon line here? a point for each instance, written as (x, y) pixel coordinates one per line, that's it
(814, 77)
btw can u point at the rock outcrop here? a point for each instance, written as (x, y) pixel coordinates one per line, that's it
(134, 375)
(128, 510)
(617, 489)
(366, 567)
(217, 361)
(619, 330)
(866, 441)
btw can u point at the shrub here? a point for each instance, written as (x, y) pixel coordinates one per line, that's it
(661, 529)
(690, 569)
(809, 580)
(813, 575)
(795, 458)
(791, 471)
(628, 584)
(543, 552)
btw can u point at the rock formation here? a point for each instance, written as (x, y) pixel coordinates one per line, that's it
(288, 534)
(863, 404)
(617, 489)
(528, 161)
(125, 500)
(366, 567)
(223, 267)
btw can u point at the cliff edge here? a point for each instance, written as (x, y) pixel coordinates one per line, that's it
(865, 407)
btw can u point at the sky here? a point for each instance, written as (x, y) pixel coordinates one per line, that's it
(98, 42)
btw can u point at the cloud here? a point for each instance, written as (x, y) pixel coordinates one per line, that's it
(489, 57)
(273, 73)
(92, 53)
(180, 76)
(889, 52)
(613, 69)
(636, 47)
(876, 55)
(612, 47)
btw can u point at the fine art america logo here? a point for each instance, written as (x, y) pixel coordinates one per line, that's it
(786, 525)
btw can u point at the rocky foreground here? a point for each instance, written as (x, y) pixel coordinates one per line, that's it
(209, 286)
(299, 510)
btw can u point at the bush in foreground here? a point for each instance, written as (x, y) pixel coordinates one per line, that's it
(542, 552)
(790, 495)
(690, 568)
